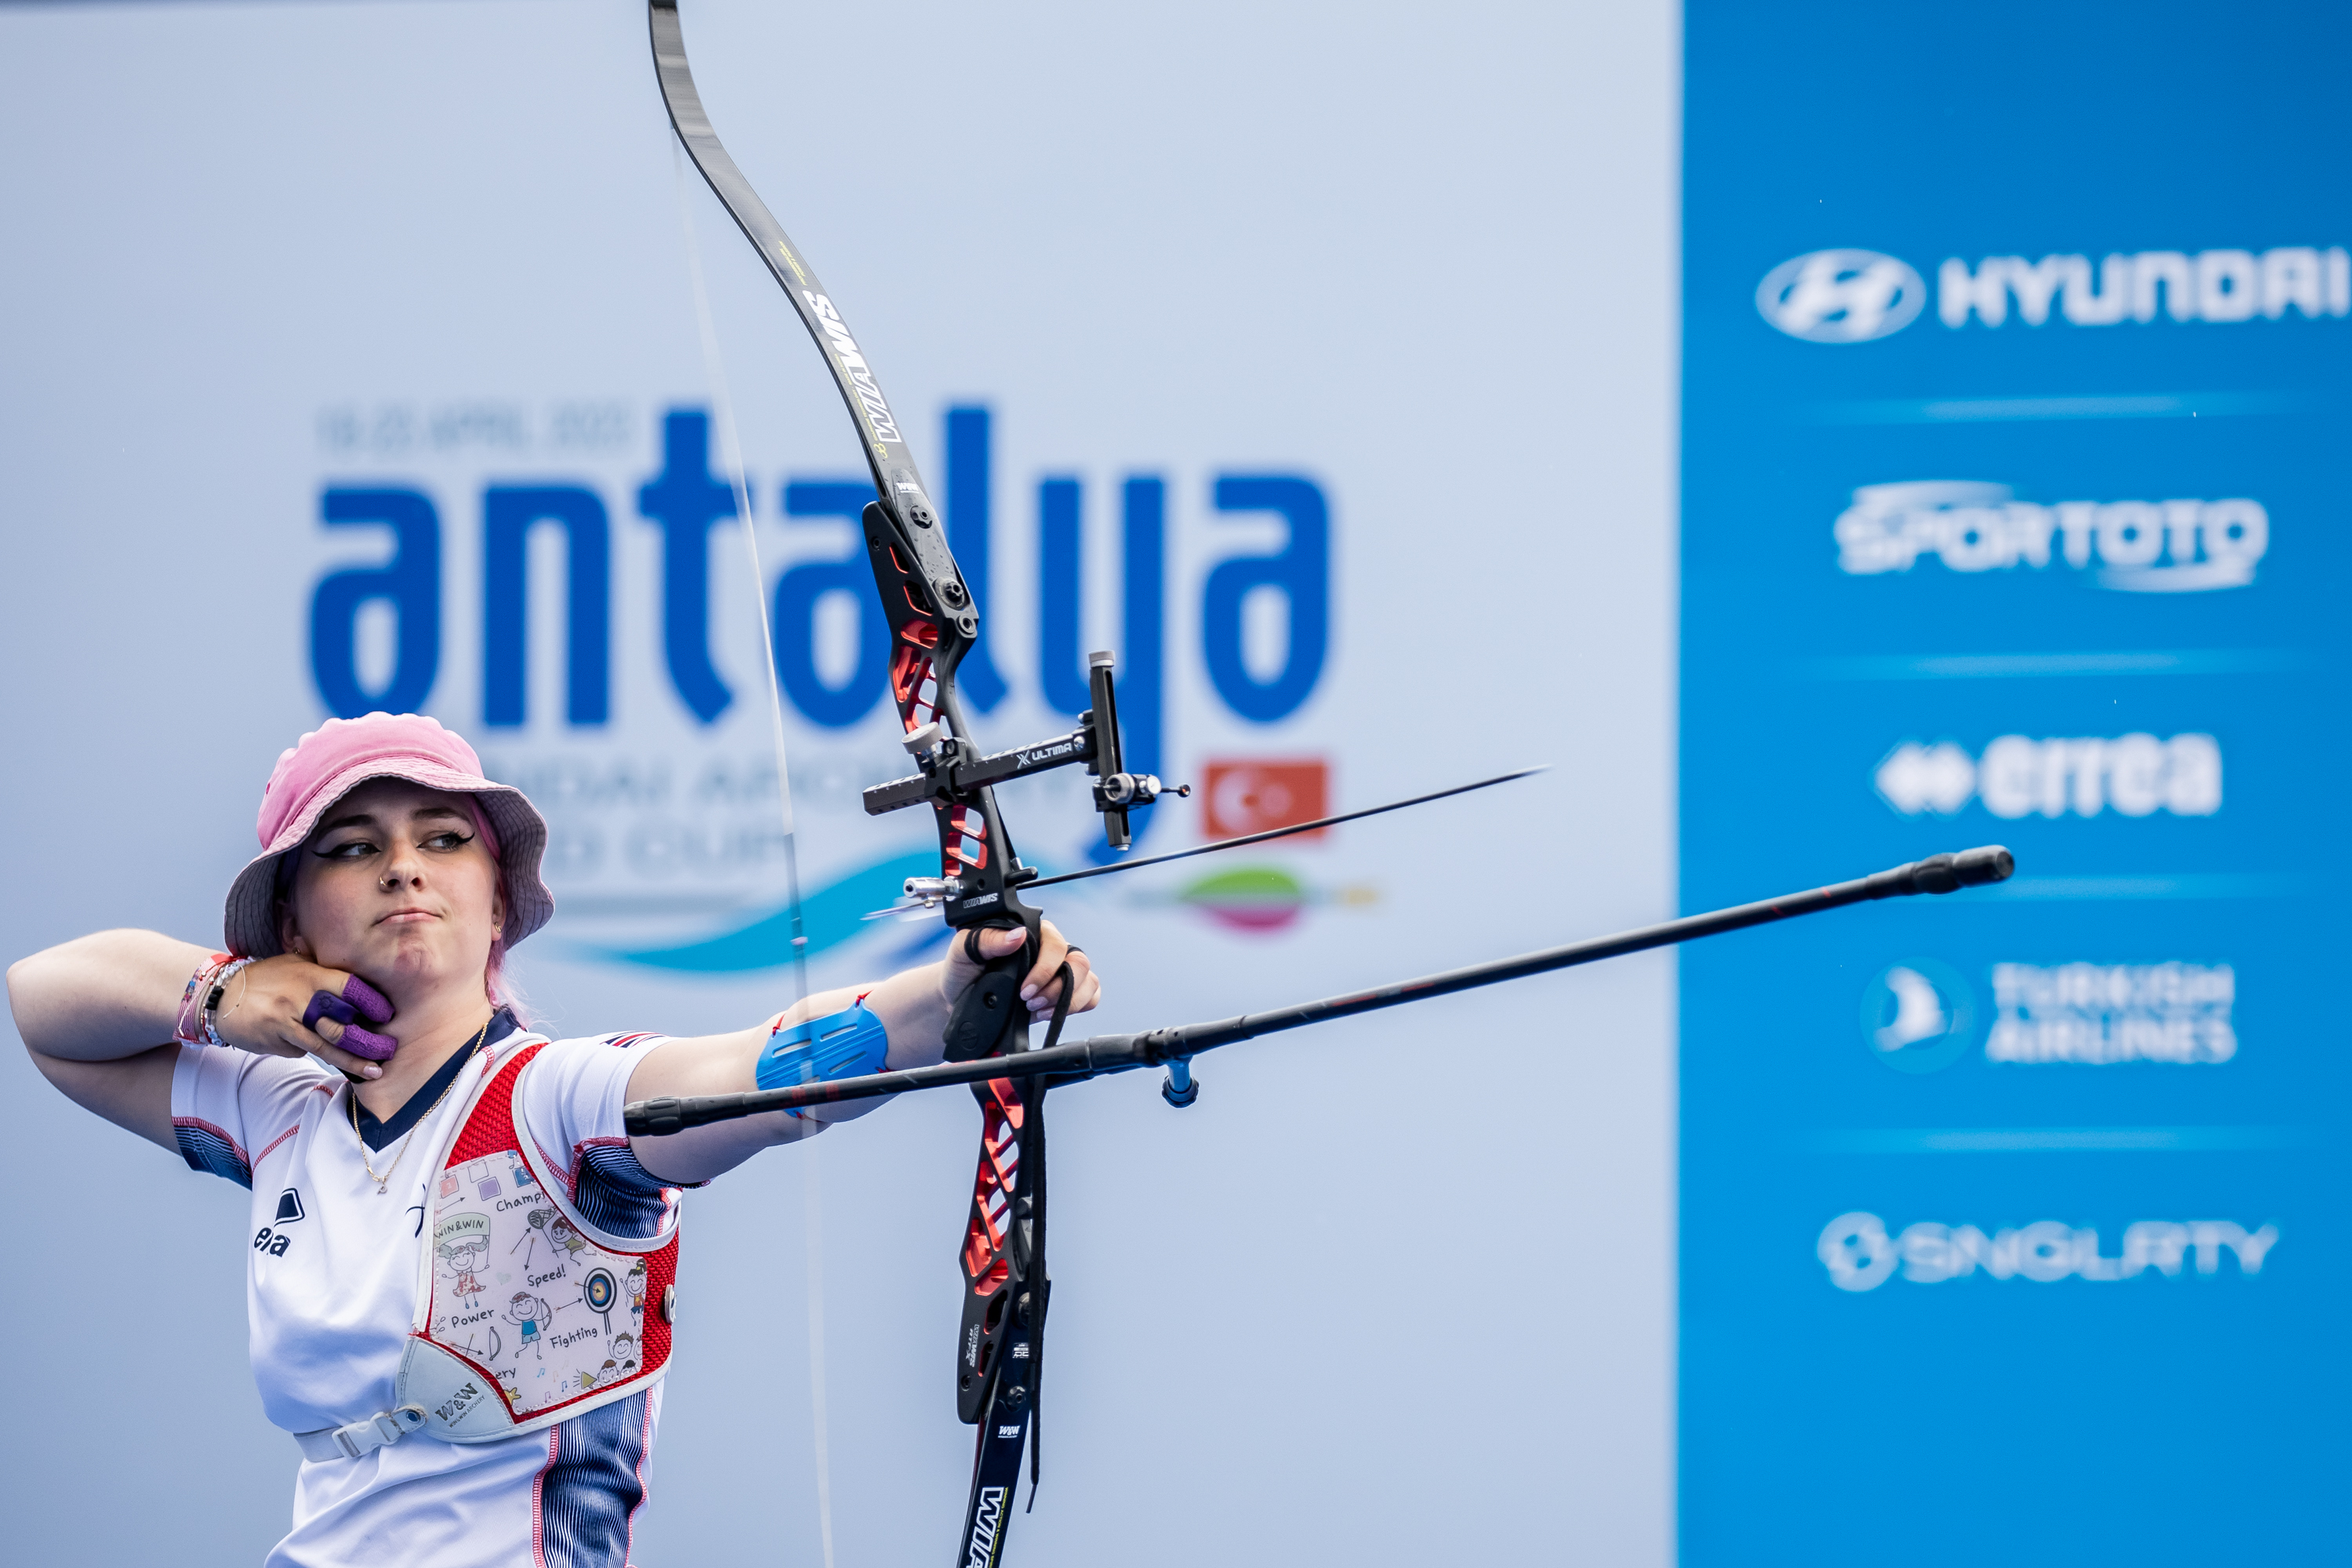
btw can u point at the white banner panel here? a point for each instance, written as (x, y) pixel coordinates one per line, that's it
(1315, 359)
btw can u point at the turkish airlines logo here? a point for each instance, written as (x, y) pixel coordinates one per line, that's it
(2104, 1013)
(1842, 296)
(1918, 1017)
(1257, 796)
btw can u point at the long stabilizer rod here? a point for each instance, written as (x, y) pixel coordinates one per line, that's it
(1104, 1054)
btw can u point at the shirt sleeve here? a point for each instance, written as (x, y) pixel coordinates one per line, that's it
(230, 1109)
(572, 1095)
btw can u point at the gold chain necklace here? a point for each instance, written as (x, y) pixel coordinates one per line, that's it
(385, 1182)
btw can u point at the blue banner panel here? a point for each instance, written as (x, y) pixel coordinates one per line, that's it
(2014, 512)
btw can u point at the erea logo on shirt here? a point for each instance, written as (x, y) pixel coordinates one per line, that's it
(272, 1237)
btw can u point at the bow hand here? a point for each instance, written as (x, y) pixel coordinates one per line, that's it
(1041, 985)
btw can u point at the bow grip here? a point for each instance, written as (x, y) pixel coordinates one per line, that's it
(985, 1019)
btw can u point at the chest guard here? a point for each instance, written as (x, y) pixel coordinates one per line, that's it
(526, 1313)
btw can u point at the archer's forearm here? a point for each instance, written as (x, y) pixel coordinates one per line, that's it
(909, 1008)
(101, 997)
(913, 1008)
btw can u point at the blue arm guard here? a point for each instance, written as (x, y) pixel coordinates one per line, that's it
(847, 1045)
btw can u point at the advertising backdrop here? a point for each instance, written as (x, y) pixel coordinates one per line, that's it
(1317, 359)
(2013, 512)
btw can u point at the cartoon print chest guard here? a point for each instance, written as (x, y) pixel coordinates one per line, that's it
(527, 1314)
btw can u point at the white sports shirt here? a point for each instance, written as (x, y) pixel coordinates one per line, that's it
(331, 1288)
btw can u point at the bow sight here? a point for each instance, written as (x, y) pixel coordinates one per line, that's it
(947, 780)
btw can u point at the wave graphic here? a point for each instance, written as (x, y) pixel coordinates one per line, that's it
(829, 917)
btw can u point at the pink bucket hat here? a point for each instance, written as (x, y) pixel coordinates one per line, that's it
(322, 767)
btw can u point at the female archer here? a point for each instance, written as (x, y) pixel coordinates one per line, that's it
(355, 1059)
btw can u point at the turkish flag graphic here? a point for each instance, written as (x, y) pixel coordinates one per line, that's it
(1257, 796)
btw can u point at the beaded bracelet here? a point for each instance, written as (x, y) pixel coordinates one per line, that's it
(185, 1027)
(227, 973)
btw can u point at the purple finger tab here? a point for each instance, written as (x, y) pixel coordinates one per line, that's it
(358, 997)
(367, 1043)
(374, 1005)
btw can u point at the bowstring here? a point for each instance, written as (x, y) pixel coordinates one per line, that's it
(731, 453)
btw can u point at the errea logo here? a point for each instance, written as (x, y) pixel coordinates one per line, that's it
(273, 1238)
(1841, 296)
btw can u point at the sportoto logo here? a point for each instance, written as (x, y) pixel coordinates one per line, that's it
(2177, 546)
(1842, 296)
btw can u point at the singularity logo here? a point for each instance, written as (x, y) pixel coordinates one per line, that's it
(1841, 296)
(1918, 1017)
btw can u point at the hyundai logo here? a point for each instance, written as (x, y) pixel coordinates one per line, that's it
(1841, 296)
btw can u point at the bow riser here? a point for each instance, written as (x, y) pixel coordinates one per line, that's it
(916, 576)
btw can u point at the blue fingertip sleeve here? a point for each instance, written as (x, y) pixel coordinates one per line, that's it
(848, 1044)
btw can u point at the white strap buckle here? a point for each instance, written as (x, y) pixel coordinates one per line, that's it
(362, 1437)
